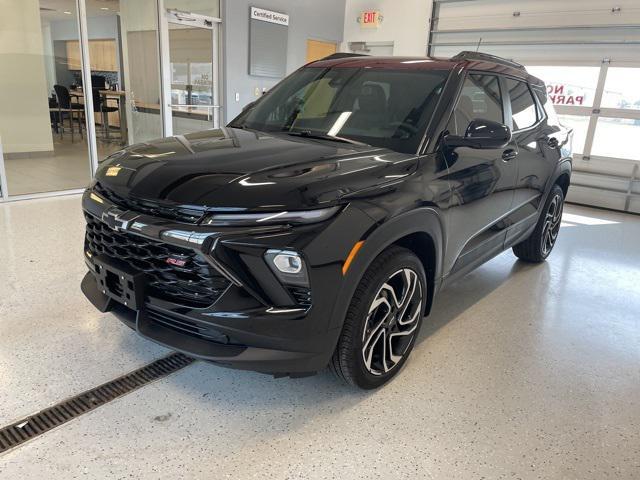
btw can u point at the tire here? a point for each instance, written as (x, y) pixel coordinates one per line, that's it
(537, 247)
(379, 332)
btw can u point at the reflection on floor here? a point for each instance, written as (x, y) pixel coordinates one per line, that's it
(521, 371)
(67, 168)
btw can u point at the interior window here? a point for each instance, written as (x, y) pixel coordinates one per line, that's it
(523, 107)
(480, 98)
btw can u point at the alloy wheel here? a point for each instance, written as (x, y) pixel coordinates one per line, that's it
(392, 321)
(551, 224)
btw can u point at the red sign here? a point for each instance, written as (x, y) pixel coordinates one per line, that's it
(370, 18)
(558, 96)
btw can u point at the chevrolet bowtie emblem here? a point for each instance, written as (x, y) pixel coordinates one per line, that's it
(112, 218)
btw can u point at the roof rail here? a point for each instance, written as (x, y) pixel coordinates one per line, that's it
(335, 56)
(468, 55)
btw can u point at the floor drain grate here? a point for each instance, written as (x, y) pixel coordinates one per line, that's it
(49, 418)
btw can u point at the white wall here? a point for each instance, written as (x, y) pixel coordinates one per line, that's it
(405, 23)
(102, 27)
(24, 123)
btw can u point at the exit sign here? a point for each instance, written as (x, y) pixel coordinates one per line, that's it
(370, 18)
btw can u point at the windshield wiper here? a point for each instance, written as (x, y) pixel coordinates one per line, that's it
(318, 136)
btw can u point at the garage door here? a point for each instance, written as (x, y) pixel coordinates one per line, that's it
(588, 53)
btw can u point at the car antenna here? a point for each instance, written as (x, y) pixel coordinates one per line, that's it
(478, 46)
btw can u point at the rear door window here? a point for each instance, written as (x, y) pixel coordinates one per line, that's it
(547, 105)
(523, 107)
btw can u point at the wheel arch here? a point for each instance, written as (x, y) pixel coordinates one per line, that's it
(562, 176)
(423, 246)
(563, 181)
(419, 230)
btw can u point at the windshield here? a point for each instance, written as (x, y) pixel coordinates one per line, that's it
(384, 108)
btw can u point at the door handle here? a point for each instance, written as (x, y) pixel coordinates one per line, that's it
(509, 154)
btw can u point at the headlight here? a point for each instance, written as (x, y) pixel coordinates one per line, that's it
(301, 217)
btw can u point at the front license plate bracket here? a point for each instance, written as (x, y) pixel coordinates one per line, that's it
(123, 284)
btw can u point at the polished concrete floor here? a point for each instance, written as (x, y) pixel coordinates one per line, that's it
(521, 371)
(66, 168)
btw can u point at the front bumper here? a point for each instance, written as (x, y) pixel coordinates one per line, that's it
(256, 324)
(277, 360)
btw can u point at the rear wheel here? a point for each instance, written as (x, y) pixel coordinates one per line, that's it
(382, 321)
(538, 246)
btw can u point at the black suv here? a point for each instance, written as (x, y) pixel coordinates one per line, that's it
(317, 227)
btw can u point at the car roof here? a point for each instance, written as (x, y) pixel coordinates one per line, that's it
(464, 60)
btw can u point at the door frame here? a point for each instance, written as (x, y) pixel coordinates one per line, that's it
(3, 177)
(179, 17)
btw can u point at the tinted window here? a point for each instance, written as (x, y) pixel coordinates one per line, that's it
(547, 105)
(385, 108)
(480, 98)
(523, 107)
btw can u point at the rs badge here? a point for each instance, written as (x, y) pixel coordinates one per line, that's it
(177, 261)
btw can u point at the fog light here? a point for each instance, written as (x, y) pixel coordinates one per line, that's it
(288, 266)
(288, 262)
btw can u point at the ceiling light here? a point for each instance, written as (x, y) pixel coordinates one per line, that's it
(67, 12)
(104, 8)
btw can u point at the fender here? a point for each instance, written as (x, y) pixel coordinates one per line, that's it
(421, 220)
(564, 166)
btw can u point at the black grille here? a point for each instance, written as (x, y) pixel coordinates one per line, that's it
(195, 284)
(156, 209)
(302, 295)
(183, 325)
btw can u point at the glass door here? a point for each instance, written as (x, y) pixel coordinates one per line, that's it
(190, 72)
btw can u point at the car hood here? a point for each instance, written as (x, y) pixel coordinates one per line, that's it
(233, 169)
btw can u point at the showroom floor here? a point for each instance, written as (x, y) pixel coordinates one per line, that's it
(521, 372)
(66, 168)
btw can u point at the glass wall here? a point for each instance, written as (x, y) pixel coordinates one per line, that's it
(123, 47)
(42, 118)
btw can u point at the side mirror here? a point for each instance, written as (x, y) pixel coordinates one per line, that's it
(481, 134)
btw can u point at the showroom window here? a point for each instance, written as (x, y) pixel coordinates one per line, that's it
(523, 107)
(621, 88)
(580, 126)
(566, 85)
(617, 138)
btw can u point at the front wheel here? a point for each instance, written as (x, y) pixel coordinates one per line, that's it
(383, 320)
(538, 246)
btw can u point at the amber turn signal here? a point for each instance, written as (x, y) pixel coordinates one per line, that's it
(351, 256)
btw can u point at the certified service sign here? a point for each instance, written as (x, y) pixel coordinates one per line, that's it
(269, 16)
